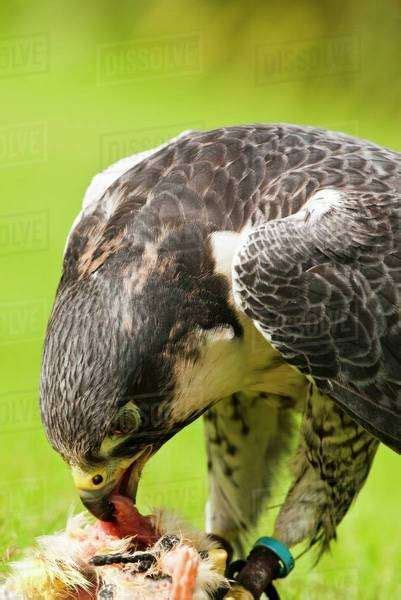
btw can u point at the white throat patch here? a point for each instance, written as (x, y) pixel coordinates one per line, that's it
(224, 245)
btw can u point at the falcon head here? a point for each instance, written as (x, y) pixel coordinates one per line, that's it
(132, 355)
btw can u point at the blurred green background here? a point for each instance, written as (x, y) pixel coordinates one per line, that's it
(85, 83)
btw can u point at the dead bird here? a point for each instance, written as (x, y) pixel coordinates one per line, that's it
(89, 561)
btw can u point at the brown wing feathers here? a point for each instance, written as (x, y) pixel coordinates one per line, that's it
(327, 295)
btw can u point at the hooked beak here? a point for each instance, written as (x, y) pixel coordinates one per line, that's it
(97, 486)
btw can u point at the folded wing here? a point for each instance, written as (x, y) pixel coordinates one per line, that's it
(323, 286)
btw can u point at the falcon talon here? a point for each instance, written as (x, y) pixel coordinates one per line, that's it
(271, 592)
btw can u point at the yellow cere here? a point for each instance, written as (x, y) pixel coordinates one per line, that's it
(83, 479)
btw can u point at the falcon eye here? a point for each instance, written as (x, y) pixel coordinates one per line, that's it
(127, 420)
(97, 480)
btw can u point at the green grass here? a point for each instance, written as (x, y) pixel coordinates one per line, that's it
(85, 123)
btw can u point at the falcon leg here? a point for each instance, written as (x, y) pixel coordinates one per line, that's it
(246, 438)
(333, 461)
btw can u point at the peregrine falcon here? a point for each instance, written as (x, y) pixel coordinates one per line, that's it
(248, 274)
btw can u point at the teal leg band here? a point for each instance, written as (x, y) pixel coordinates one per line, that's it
(285, 557)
